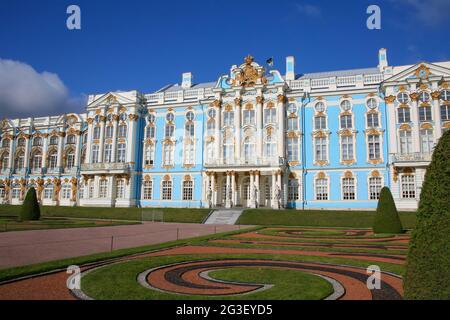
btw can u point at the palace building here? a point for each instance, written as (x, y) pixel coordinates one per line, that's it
(252, 138)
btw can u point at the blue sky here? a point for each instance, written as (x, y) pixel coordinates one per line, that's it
(144, 45)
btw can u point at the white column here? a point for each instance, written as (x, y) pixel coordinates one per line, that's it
(279, 184)
(131, 140)
(258, 195)
(89, 142)
(274, 188)
(102, 140)
(213, 188)
(206, 191)
(237, 126)
(233, 189)
(114, 140)
(392, 119)
(415, 128)
(251, 186)
(59, 162)
(280, 118)
(27, 154)
(259, 128)
(78, 150)
(217, 138)
(11, 155)
(227, 193)
(437, 119)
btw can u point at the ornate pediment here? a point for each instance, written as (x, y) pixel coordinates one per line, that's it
(248, 74)
(422, 71)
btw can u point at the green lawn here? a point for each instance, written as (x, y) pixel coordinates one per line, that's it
(13, 224)
(183, 215)
(317, 218)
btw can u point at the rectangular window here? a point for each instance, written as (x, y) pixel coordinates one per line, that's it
(425, 114)
(120, 189)
(404, 115)
(148, 190)
(228, 118)
(374, 147)
(95, 149)
(188, 190)
(2, 192)
(81, 191)
(445, 112)
(270, 115)
(66, 192)
(103, 189)
(167, 190)
(109, 132)
(249, 117)
(374, 188)
(189, 130)
(320, 123)
(108, 153)
(293, 191)
(48, 192)
(211, 127)
(346, 122)
(15, 193)
(70, 161)
(348, 189)
(372, 120)
(168, 154)
(408, 187)
(427, 141)
(122, 131)
(150, 132)
(347, 148)
(321, 189)
(91, 189)
(96, 134)
(121, 152)
(189, 153)
(405, 142)
(292, 149)
(320, 144)
(292, 124)
(149, 158)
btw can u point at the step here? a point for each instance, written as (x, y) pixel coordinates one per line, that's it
(228, 217)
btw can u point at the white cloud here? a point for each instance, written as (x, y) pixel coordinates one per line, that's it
(431, 13)
(25, 92)
(309, 10)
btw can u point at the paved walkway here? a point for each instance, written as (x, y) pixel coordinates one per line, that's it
(20, 248)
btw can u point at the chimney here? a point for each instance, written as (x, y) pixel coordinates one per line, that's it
(290, 68)
(187, 80)
(382, 59)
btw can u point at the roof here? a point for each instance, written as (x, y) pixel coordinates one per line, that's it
(339, 73)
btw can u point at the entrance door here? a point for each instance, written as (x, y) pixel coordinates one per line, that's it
(246, 192)
(267, 195)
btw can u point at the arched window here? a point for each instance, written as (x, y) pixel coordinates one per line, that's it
(96, 133)
(292, 149)
(188, 188)
(375, 186)
(148, 190)
(6, 143)
(405, 142)
(52, 160)
(293, 190)
(270, 147)
(249, 149)
(348, 189)
(37, 142)
(107, 157)
(149, 157)
(228, 150)
(121, 152)
(166, 190)
(122, 131)
(322, 189)
(109, 132)
(228, 118)
(53, 140)
(168, 152)
(70, 159)
(426, 141)
(403, 97)
(249, 116)
(95, 155)
(270, 115)
(71, 139)
(36, 161)
(20, 161)
(21, 142)
(4, 161)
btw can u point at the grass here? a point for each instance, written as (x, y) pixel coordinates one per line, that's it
(182, 215)
(13, 224)
(118, 281)
(22, 271)
(316, 218)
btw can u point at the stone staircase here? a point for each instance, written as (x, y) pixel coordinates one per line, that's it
(224, 216)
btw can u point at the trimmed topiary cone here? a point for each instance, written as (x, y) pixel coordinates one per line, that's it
(428, 263)
(387, 219)
(30, 207)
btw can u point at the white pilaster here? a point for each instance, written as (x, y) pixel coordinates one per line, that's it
(89, 143)
(131, 141)
(437, 120)
(237, 126)
(281, 120)
(114, 139)
(102, 140)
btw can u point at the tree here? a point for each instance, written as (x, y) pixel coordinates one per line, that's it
(428, 262)
(30, 207)
(387, 219)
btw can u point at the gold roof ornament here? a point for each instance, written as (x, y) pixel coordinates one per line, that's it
(422, 72)
(249, 75)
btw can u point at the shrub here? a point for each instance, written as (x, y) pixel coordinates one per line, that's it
(30, 209)
(428, 262)
(387, 219)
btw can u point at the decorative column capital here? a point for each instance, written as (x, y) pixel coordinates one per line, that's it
(436, 95)
(281, 98)
(414, 96)
(259, 99)
(237, 101)
(389, 99)
(216, 103)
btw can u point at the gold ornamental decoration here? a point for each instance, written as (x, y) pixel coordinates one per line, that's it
(436, 95)
(321, 175)
(422, 72)
(414, 96)
(389, 99)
